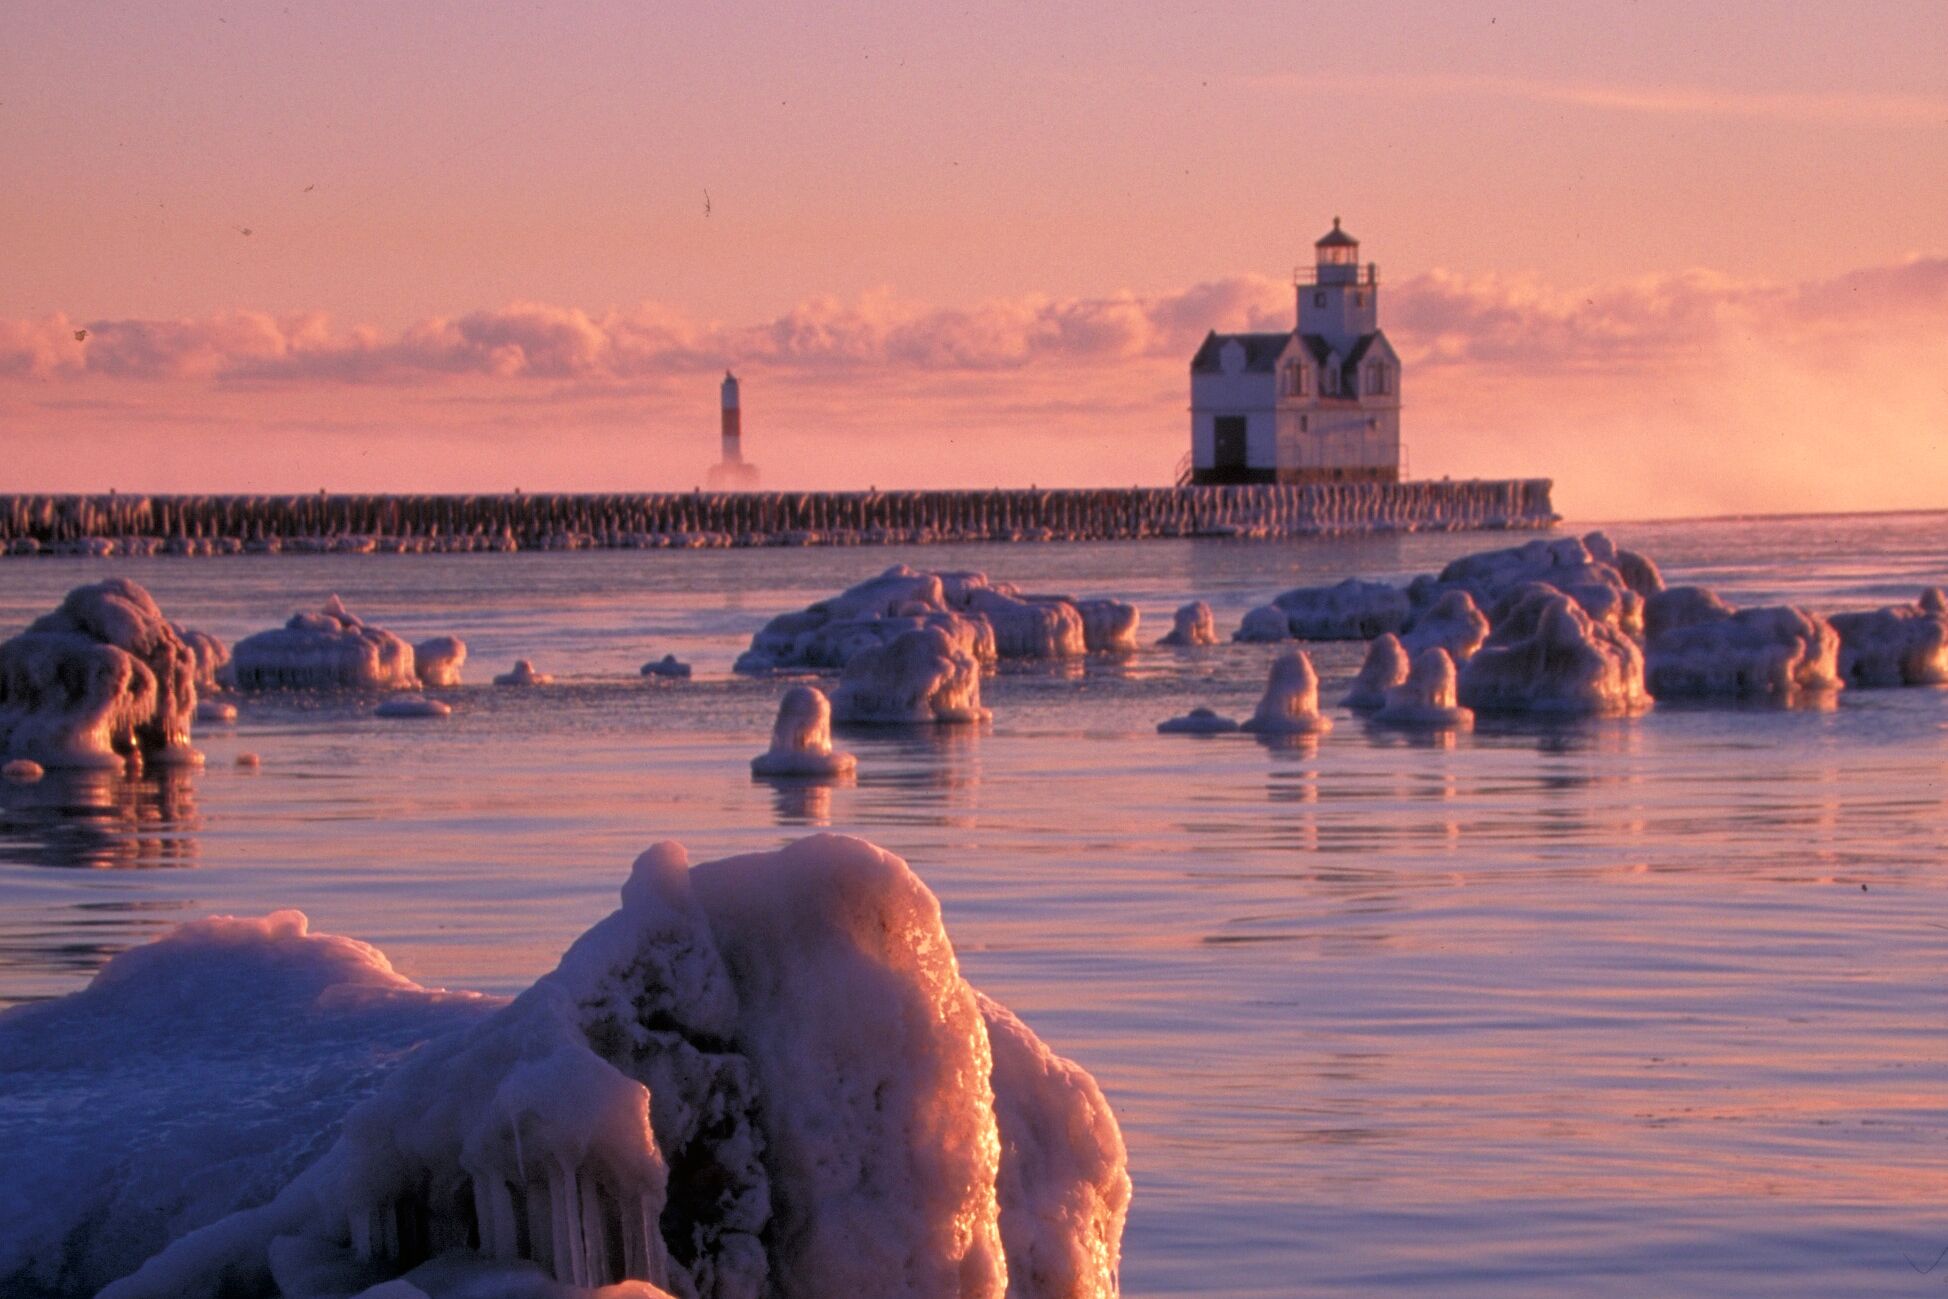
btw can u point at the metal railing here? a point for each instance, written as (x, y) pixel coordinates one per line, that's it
(1303, 276)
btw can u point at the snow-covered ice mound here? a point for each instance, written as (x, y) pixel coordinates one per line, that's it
(1454, 623)
(667, 666)
(330, 649)
(1351, 610)
(1549, 656)
(1193, 625)
(1696, 645)
(1264, 624)
(1427, 698)
(101, 680)
(1290, 705)
(986, 619)
(212, 657)
(1198, 721)
(1900, 645)
(1611, 584)
(22, 771)
(761, 1076)
(413, 706)
(801, 739)
(1385, 667)
(216, 711)
(920, 676)
(438, 661)
(523, 674)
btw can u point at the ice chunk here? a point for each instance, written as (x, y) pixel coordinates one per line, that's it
(1198, 721)
(1351, 610)
(1700, 646)
(1385, 667)
(23, 771)
(1264, 624)
(1427, 698)
(667, 666)
(330, 649)
(1108, 626)
(413, 706)
(1290, 705)
(1193, 625)
(214, 710)
(1454, 623)
(438, 661)
(921, 676)
(523, 674)
(1027, 629)
(1588, 571)
(801, 740)
(100, 681)
(1900, 645)
(212, 657)
(1549, 656)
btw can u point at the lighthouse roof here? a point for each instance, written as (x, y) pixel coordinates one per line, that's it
(1261, 352)
(1336, 238)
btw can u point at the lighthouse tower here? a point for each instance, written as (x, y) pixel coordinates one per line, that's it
(731, 473)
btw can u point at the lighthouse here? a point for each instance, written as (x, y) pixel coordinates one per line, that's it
(731, 473)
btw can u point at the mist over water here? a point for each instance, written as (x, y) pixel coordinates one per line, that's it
(1636, 1007)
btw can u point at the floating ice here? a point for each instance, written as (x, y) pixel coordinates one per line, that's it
(215, 710)
(249, 761)
(1549, 656)
(1264, 624)
(1900, 645)
(667, 666)
(920, 676)
(100, 681)
(1290, 705)
(523, 674)
(764, 1075)
(801, 740)
(23, 771)
(1609, 583)
(413, 706)
(1385, 667)
(438, 661)
(1427, 697)
(1193, 625)
(1697, 645)
(330, 649)
(1351, 610)
(1454, 623)
(1198, 721)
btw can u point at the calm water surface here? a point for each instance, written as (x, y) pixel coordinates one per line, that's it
(1647, 1007)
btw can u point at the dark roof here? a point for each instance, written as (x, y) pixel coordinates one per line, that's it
(1321, 350)
(1261, 352)
(1359, 349)
(1336, 238)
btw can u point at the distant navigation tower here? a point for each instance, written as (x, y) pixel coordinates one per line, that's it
(731, 473)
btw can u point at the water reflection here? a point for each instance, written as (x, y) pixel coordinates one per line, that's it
(943, 763)
(798, 800)
(94, 819)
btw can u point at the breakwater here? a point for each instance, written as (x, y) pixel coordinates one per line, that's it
(119, 524)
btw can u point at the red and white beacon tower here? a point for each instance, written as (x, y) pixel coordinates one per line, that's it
(731, 473)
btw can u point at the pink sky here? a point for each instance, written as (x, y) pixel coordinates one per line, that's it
(1680, 258)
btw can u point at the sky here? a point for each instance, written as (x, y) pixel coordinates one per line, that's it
(1682, 259)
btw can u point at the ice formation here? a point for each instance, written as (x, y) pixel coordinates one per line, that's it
(438, 661)
(413, 706)
(1198, 721)
(1193, 625)
(919, 676)
(667, 666)
(23, 771)
(100, 681)
(330, 649)
(523, 674)
(1427, 698)
(249, 761)
(1454, 623)
(1697, 645)
(986, 619)
(1900, 645)
(1266, 623)
(1351, 610)
(1611, 584)
(211, 654)
(1385, 667)
(801, 740)
(1290, 705)
(215, 710)
(1549, 656)
(761, 1076)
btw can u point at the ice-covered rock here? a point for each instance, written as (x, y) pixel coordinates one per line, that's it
(801, 739)
(1589, 570)
(761, 1076)
(1549, 656)
(101, 680)
(215, 711)
(1385, 667)
(1454, 623)
(667, 666)
(1193, 625)
(438, 661)
(212, 657)
(1108, 626)
(1263, 625)
(1290, 705)
(1697, 645)
(1900, 645)
(1350, 610)
(1029, 629)
(523, 674)
(1427, 698)
(1198, 721)
(330, 649)
(413, 706)
(22, 771)
(920, 676)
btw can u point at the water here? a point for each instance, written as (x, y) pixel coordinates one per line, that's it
(1647, 1007)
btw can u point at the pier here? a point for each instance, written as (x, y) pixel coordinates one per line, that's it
(190, 525)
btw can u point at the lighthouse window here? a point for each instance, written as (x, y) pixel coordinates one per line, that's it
(1319, 299)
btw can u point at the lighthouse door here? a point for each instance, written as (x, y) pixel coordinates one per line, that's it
(1228, 457)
